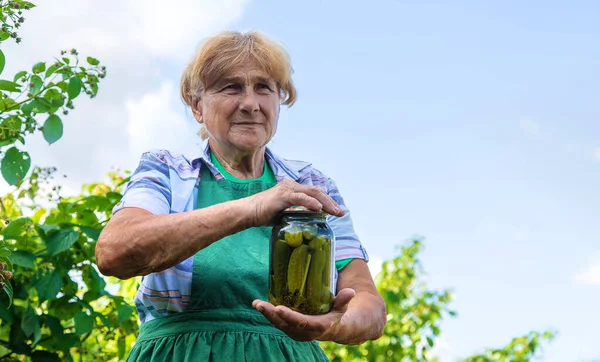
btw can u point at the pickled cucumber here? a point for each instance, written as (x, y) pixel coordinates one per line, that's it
(301, 263)
(281, 252)
(317, 243)
(309, 232)
(326, 298)
(314, 282)
(297, 269)
(293, 237)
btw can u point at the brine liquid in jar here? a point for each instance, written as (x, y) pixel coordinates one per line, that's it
(302, 262)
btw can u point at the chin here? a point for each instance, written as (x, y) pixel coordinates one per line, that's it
(248, 142)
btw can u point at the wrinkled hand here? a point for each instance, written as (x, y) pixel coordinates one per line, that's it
(302, 327)
(267, 204)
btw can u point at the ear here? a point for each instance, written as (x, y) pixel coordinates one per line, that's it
(197, 109)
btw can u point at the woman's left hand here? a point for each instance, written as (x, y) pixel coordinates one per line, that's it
(302, 327)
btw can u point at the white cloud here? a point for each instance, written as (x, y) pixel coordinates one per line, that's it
(443, 349)
(589, 277)
(154, 123)
(374, 265)
(144, 44)
(530, 126)
(597, 153)
(175, 30)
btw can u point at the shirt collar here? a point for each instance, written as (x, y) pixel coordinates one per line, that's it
(281, 167)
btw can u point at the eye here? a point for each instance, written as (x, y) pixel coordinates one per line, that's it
(263, 86)
(231, 86)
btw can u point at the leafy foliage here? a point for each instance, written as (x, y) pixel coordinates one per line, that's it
(30, 102)
(62, 306)
(414, 317)
(520, 349)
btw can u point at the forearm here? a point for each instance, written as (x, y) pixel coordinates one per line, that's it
(135, 245)
(363, 321)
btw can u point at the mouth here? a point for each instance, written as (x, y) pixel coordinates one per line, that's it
(246, 124)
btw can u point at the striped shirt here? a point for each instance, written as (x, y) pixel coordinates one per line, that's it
(167, 183)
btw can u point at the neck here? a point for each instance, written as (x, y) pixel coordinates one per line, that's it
(241, 164)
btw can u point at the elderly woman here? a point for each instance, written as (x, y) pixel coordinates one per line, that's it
(197, 230)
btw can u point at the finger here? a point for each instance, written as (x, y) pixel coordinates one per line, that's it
(329, 205)
(268, 310)
(343, 298)
(302, 199)
(304, 322)
(317, 200)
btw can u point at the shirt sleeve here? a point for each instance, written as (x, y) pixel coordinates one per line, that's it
(149, 187)
(348, 245)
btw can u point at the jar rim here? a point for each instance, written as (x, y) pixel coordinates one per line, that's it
(301, 210)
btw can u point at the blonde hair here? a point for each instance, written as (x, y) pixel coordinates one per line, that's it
(229, 49)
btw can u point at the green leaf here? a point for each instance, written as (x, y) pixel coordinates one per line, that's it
(90, 232)
(95, 283)
(124, 313)
(44, 356)
(39, 67)
(61, 241)
(27, 108)
(63, 308)
(2, 61)
(9, 292)
(49, 285)
(430, 341)
(9, 86)
(94, 88)
(55, 327)
(121, 348)
(71, 288)
(40, 105)
(54, 97)
(7, 103)
(51, 69)
(23, 259)
(30, 322)
(4, 252)
(52, 129)
(63, 86)
(93, 61)
(45, 229)
(20, 75)
(15, 228)
(36, 84)
(6, 315)
(68, 341)
(15, 165)
(84, 323)
(27, 3)
(74, 87)
(4, 35)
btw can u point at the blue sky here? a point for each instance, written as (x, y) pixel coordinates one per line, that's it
(474, 125)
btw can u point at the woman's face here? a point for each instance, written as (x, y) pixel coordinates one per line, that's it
(241, 109)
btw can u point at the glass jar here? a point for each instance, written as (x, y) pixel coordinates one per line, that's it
(302, 262)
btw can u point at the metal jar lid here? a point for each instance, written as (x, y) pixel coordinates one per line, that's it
(301, 210)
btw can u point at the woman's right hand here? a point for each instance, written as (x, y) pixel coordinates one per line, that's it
(267, 204)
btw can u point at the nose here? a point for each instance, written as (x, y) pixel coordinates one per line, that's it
(249, 102)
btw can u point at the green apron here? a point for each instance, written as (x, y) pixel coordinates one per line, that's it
(220, 323)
